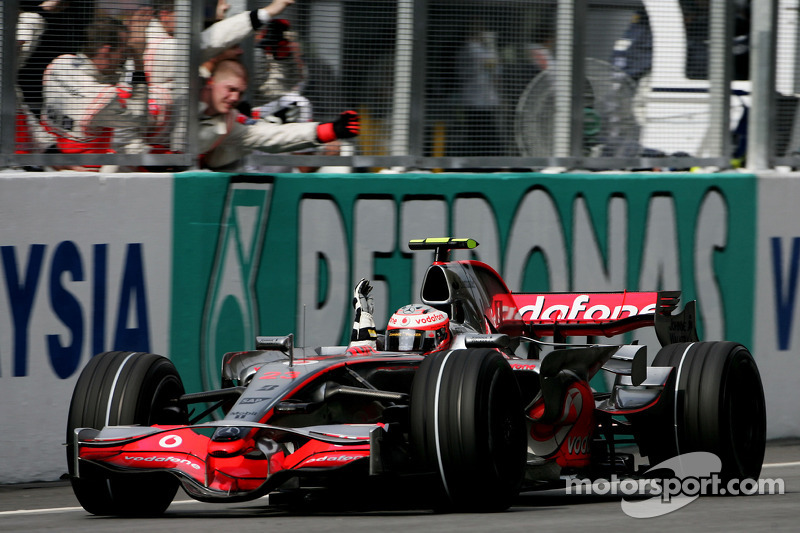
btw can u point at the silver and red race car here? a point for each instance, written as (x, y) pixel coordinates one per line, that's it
(453, 413)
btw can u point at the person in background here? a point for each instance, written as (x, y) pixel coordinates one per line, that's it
(632, 57)
(164, 60)
(64, 32)
(86, 107)
(280, 93)
(282, 60)
(633, 53)
(163, 55)
(478, 70)
(221, 9)
(225, 135)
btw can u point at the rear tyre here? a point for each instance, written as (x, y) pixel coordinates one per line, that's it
(468, 426)
(717, 405)
(124, 388)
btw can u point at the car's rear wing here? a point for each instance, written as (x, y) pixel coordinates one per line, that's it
(452, 286)
(561, 315)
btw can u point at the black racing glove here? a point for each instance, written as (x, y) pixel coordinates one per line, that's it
(346, 126)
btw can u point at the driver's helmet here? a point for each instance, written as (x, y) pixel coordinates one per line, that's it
(418, 328)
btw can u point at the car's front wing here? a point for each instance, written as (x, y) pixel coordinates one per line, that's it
(236, 470)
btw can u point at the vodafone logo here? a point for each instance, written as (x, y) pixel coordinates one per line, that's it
(168, 459)
(334, 458)
(170, 441)
(577, 445)
(430, 319)
(582, 307)
(417, 315)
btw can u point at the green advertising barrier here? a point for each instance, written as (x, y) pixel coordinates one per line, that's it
(272, 255)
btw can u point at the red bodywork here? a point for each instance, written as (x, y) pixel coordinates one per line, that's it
(235, 468)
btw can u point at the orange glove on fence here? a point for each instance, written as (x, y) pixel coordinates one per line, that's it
(346, 126)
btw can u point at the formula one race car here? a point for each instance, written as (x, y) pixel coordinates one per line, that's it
(446, 407)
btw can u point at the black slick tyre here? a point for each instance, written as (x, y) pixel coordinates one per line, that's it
(124, 388)
(716, 405)
(468, 426)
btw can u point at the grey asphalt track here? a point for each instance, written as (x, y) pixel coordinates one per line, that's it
(52, 506)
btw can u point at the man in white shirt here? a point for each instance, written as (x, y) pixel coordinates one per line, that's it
(86, 107)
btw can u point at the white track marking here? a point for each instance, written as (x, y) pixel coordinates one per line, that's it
(41, 511)
(51, 510)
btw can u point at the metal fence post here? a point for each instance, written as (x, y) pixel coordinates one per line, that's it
(193, 113)
(569, 78)
(720, 73)
(403, 75)
(762, 76)
(419, 71)
(8, 76)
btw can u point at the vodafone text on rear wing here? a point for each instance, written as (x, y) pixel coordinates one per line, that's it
(562, 314)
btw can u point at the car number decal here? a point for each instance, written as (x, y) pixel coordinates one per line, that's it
(279, 375)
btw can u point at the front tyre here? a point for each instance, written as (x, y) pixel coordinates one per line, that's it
(124, 388)
(468, 425)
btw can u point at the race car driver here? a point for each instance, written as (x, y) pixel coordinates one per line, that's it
(418, 328)
(412, 328)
